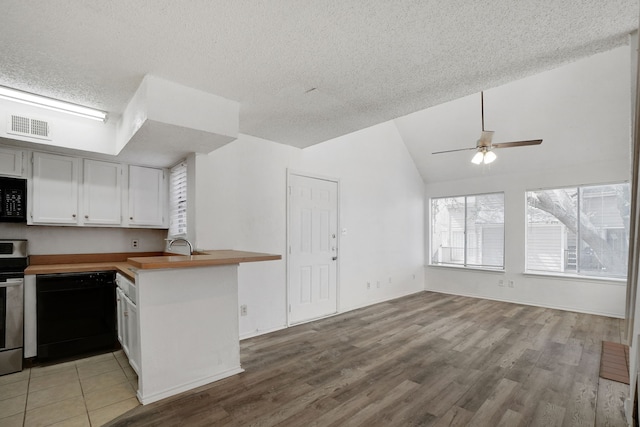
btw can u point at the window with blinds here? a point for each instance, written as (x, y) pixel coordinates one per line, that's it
(178, 200)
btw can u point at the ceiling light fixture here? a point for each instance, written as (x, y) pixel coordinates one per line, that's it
(51, 104)
(483, 156)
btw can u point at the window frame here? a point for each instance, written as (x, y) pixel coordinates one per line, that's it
(580, 275)
(465, 265)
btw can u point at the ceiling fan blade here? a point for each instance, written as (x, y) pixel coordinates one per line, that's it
(451, 151)
(517, 143)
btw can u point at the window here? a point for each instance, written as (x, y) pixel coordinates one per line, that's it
(579, 230)
(178, 200)
(468, 231)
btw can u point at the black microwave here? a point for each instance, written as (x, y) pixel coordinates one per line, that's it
(13, 199)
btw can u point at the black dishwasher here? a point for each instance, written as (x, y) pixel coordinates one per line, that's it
(76, 313)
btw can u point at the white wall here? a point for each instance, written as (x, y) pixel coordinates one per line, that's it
(580, 110)
(66, 131)
(241, 194)
(593, 95)
(46, 240)
(583, 295)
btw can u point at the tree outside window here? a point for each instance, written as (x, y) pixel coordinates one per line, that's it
(579, 230)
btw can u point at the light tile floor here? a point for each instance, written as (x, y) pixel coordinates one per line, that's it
(84, 392)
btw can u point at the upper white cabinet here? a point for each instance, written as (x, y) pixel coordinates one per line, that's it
(147, 197)
(102, 193)
(55, 189)
(72, 191)
(11, 162)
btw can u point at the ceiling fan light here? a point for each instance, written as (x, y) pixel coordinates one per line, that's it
(489, 157)
(477, 159)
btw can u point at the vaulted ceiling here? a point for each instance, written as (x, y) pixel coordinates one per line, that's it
(302, 71)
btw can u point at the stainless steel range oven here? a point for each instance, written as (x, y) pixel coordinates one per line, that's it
(13, 261)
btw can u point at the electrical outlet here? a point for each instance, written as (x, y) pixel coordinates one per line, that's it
(368, 285)
(135, 243)
(378, 283)
(389, 280)
(510, 283)
(414, 276)
(501, 283)
(243, 310)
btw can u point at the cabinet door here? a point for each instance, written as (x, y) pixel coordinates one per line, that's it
(55, 189)
(132, 336)
(11, 162)
(102, 194)
(120, 316)
(146, 196)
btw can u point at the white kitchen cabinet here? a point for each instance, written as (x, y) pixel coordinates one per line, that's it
(120, 316)
(11, 162)
(133, 342)
(102, 193)
(55, 189)
(127, 313)
(147, 197)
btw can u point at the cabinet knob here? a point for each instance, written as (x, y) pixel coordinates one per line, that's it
(131, 218)
(86, 216)
(74, 215)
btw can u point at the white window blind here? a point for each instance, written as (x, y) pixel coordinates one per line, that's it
(178, 200)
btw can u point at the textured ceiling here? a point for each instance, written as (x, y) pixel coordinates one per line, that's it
(303, 71)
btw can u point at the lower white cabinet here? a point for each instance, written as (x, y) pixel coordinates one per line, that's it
(128, 330)
(133, 341)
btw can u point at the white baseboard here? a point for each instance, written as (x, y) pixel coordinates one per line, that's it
(534, 304)
(163, 394)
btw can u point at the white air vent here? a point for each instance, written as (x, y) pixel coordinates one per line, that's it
(25, 126)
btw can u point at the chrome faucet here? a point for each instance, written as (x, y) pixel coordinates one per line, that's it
(188, 243)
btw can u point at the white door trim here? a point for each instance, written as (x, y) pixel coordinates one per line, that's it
(287, 251)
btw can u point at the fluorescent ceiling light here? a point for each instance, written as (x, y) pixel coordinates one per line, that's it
(51, 104)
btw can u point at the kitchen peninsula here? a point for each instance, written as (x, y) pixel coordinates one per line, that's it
(185, 332)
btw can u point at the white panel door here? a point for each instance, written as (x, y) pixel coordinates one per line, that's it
(102, 193)
(313, 248)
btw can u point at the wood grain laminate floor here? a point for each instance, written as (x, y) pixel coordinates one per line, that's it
(428, 359)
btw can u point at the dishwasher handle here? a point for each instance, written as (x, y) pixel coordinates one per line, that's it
(5, 283)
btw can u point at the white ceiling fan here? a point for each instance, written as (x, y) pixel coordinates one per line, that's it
(484, 145)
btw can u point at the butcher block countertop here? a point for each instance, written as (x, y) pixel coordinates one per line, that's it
(200, 259)
(128, 262)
